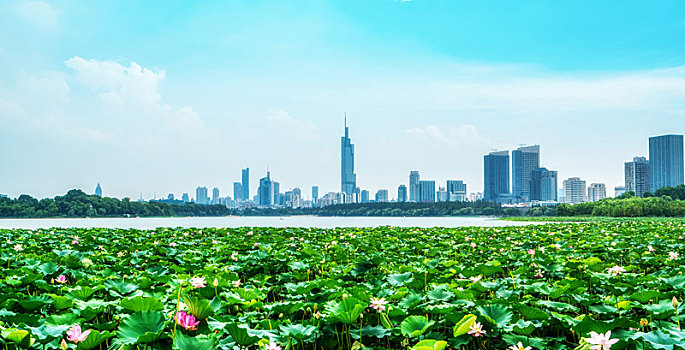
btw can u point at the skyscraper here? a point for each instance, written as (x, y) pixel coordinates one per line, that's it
(414, 186)
(543, 185)
(315, 194)
(201, 195)
(426, 193)
(456, 191)
(402, 193)
(596, 192)
(637, 176)
(215, 196)
(185, 198)
(574, 190)
(496, 175)
(98, 190)
(523, 161)
(365, 196)
(245, 185)
(266, 191)
(348, 179)
(665, 161)
(237, 191)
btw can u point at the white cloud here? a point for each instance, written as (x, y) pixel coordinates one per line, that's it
(38, 13)
(289, 126)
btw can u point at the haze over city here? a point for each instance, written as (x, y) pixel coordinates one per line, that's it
(185, 94)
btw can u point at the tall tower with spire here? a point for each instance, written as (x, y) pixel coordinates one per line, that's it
(348, 179)
(98, 190)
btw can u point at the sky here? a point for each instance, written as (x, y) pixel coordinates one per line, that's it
(157, 97)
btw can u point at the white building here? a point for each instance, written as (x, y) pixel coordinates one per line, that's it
(596, 192)
(574, 190)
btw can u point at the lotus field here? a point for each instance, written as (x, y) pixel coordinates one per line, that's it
(602, 285)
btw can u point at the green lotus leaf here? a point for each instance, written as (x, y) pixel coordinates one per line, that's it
(141, 327)
(185, 342)
(414, 326)
(140, 303)
(94, 339)
(399, 280)
(346, 311)
(497, 315)
(241, 335)
(462, 327)
(430, 344)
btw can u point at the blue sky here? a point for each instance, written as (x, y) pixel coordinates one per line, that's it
(163, 96)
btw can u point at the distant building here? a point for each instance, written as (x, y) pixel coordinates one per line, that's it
(382, 196)
(238, 191)
(245, 185)
(348, 179)
(414, 186)
(456, 191)
(216, 198)
(185, 198)
(543, 185)
(574, 190)
(619, 190)
(496, 173)
(365, 196)
(637, 176)
(98, 190)
(266, 191)
(523, 161)
(442, 194)
(293, 198)
(170, 197)
(402, 193)
(596, 192)
(426, 191)
(475, 196)
(201, 196)
(315, 195)
(278, 198)
(665, 161)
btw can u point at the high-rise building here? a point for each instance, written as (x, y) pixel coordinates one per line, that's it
(426, 192)
(574, 190)
(215, 196)
(543, 185)
(442, 195)
(523, 161)
(496, 173)
(414, 186)
(185, 198)
(619, 190)
(596, 192)
(382, 196)
(201, 196)
(665, 161)
(245, 184)
(365, 196)
(456, 191)
(402, 193)
(98, 190)
(237, 191)
(266, 191)
(637, 176)
(170, 197)
(279, 199)
(315, 194)
(348, 179)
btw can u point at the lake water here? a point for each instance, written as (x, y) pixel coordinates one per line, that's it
(253, 221)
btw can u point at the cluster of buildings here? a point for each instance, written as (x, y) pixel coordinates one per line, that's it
(512, 180)
(533, 184)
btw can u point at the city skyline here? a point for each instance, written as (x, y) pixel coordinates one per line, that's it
(82, 103)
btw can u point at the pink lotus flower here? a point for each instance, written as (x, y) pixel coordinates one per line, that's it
(18, 247)
(198, 282)
(236, 284)
(473, 244)
(75, 334)
(186, 321)
(617, 270)
(250, 233)
(531, 252)
(476, 279)
(273, 346)
(378, 304)
(256, 245)
(601, 341)
(519, 346)
(477, 330)
(61, 279)
(673, 255)
(234, 256)
(172, 244)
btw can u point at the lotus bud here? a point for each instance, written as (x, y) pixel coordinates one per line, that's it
(309, 309)
(675, 302)
(344, 296)
(280, 315)
(63, 345)
(215, 283)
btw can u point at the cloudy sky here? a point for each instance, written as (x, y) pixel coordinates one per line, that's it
(163, 96)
